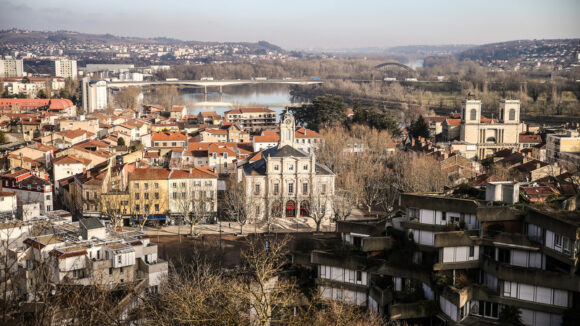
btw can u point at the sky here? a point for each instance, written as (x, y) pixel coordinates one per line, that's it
(305, 24)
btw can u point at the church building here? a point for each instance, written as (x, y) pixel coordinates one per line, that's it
(286, 181)
(491, 135)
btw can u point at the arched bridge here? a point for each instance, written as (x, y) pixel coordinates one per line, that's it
(212, 83)
(397, 64)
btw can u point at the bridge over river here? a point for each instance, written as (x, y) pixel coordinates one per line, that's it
(212, 83)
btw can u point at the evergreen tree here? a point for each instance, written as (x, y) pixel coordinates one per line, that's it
(121, 141)
(419, 128)
(324, 110)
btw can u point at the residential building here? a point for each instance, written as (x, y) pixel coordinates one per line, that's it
(286, 181)
(177, 112)
(84, 253)
(193, 190)
(8, 204)
(558, 144)
(94, 94)
(29, 187)
(11, 68)
(457, 258)
(24, 105)
(65, 68)
(148, 190)
(67, 166)
(167, 140)
(305, 139)
(252, 119)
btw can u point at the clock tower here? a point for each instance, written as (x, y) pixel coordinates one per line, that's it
(287, 129)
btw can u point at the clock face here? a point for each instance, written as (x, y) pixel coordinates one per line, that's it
(288, 121)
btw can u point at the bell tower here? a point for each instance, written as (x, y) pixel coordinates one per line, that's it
(287, 129)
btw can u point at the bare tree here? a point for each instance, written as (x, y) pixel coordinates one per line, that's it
(318, 208)
(127, 97)
(113, 207)
(239, 205)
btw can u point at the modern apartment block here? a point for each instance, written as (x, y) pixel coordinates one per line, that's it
(458, 258)
(252, 119)
(11, 68)
(564, 148)
(65, 68)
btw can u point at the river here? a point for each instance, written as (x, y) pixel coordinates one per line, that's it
(273, 96)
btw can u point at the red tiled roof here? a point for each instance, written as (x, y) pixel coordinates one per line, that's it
(149, 174)
(70, 159)
(453, 122)
(487, 120)
(176, 108)
(530, 138)
(436, 119)
(249, 110)
(75, 133)
(169, 136)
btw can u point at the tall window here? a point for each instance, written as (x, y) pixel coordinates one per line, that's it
(276, 167)
(473, 114)
(323, 189)
(512, 114)
(276, 188)
(305, 188)
(257, 189)
(291, 188)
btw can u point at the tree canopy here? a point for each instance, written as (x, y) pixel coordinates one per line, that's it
(419, 128)
(324, 110)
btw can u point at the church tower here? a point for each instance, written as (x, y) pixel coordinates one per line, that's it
(471, 111)
(287, 129)
(509, 111)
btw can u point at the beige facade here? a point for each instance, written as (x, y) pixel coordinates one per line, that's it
(491, 135)
(556, 144)
(287, 182)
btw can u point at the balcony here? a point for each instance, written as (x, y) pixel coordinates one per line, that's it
(421, 309)
(153, 267)
(534, 276)
(416, 225)
(455, 239)
(377, 243)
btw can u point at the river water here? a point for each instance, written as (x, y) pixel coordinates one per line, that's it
(273, 96)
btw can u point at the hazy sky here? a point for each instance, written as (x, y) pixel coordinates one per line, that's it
(303, 24)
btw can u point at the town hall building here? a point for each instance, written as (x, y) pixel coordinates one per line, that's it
(286, 181)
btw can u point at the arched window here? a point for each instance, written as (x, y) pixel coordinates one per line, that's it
(305, 208)
(290, 208)
(473, 114)
(512, 114)
(490, 140)
(277, 209)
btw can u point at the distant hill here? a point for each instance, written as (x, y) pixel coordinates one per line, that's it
(429, 50)
(23, 38)
(560, 51)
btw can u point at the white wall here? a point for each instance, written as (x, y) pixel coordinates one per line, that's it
(348, 296)
(540, 318)
(448, 308)
(424, 237)
(459, 254)
(538, 294)
(343, 275)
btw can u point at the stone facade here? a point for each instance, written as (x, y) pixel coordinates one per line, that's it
(491, 135)
(286, 181)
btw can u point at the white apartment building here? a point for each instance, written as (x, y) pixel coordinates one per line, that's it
(65, 68)
(94, 95)
(11, 68)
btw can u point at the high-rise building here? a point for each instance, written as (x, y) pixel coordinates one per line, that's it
(11, 68)
(94, 95)
(65, 68)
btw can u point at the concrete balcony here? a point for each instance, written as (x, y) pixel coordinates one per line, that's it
(456, 265)
(422, 309)
(532, 276)
(368, 227)
(153, 267)
(377, 243)
(381, 296)
(455, 239)
(416, 225)
(347, 260)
